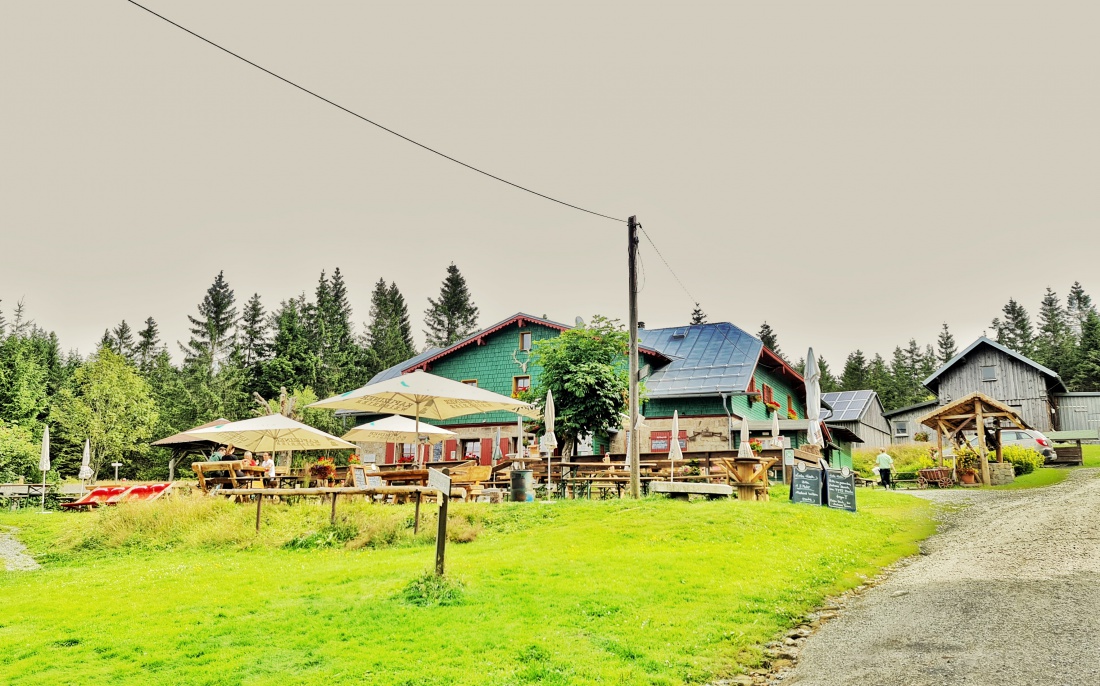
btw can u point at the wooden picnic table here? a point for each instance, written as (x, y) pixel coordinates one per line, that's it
(415, 477)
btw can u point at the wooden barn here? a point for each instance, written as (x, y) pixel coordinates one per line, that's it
(903, 423)
(989, 368)
(861, 413)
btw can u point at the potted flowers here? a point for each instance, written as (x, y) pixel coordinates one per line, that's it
(966, 463)
(324, 469)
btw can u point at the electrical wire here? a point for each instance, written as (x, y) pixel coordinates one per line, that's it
(369, 121)
(670, 269)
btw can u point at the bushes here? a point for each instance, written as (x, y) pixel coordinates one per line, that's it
(907, 458)
(1024, 460)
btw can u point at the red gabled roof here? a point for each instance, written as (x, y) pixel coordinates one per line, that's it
(520, 319)
(777, 362)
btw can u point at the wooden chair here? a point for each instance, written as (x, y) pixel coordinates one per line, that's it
(472, 480)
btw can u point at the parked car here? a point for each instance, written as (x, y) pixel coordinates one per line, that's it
(1028, 438)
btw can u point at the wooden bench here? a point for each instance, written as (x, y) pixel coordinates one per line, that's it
(471, 480)
(683, 490)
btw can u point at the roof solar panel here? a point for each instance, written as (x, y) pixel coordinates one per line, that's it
(848, 405)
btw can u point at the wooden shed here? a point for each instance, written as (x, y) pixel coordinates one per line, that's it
(861, 413)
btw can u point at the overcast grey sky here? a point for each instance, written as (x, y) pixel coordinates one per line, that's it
(855, 173)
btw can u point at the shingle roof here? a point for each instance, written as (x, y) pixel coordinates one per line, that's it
(848, 406)
(996, 346)
(397, 369)
(706, 359)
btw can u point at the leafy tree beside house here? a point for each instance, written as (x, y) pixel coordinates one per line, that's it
(110, 404)
(583, 368)
(453, 316)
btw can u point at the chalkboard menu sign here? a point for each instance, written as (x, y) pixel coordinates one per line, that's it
(806, 484)
(359, 474)
(840, 487)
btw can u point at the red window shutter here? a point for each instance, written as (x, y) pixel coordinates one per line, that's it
(752, 384)
(683, 440)
(486, 451)
(505, 446)
(448, 448)
(390, 459)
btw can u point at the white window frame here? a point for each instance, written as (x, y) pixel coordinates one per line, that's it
(904, 433)
(530, 341)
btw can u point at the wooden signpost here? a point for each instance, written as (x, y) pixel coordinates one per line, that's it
(441, 481)
(840, 487)
(806, 485)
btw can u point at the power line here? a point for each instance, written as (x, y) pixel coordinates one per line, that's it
(670, 269)
(369, 121)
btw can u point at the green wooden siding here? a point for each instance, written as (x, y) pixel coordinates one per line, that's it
(493, 367)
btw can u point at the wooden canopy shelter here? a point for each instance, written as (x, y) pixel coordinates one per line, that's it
(183, 444)
(970, 413)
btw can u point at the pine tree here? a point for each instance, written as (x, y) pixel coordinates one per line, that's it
(854, 375)
(252, 332)
(389, 334)
(769, 338)
(828, 382)
(212, 331)
(1078, 306)
(148, 345)
(945, 345)
(3, 324)
(1055, 342)
(294, 362)
(124, 341)
(880, 381)
(106, 341)
(1015, 331)
(21, 327)
(698, 316)
(1086, 377)
(453, 316)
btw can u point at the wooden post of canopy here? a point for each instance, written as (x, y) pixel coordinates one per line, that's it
(1000, 445)
(979, 421)
(939, 441)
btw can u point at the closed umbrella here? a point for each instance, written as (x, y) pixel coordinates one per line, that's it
(420, 394)
(745, 450)
(813, 401)
(775, 424)
(44, 462)
(85, 465)
(674, 451)
(549, 438)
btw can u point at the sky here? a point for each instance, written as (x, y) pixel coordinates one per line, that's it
(854, 173)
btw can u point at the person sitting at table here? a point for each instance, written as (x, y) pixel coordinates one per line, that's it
(247, 459)
(269, 465)
(219, 455)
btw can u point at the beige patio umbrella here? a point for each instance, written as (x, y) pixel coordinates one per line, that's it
(396, 429)
(549, 439)
(813, 401)
(745, 450)
(271, 433)
(674, 451)
(420, 394)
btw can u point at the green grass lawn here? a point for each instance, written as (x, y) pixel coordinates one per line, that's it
(1090, 455)
(1044, 476)
(620, 592)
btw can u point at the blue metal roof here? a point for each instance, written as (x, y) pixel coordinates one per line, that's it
(706, 359)
(396, 370)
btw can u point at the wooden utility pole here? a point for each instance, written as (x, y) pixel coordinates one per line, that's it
(632, 430)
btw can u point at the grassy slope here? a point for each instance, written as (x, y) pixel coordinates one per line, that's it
(1091, 455)
(1045, 476)
(656, 592)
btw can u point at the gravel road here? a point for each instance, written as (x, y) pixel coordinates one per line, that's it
(14, 555)
(1008, 593)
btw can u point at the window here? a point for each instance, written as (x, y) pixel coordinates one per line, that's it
(901, 428)
(989, 373)
(520, 384)
(470, 382)
(471, 449)
(408, 451)
(525, 341)
(661, 441)
(790, 405)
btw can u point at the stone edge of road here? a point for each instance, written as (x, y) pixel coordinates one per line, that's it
(14, 554)
(782, 654)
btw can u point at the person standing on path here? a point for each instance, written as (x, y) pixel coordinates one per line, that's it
(885, 464)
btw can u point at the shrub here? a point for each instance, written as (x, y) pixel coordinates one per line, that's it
(907, 458)
(921, 437)
(429, 590)
(1024, 460)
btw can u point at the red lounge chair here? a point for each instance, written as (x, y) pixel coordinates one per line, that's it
(95, 498)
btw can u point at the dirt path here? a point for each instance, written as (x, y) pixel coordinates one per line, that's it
(1008, 593)
(14, 555)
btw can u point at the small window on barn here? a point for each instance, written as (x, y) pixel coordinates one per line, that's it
(470, 382)
(989, 373)
(525, 341)
(901, 428)
(520, 384)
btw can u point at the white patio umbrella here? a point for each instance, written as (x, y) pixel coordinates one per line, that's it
(813, 401)
(674, 450)
(44, 462)
(396, 429)
(745, 450)
(420, 394)
(85, 465)
(271, 433)
(549, 439)
(775, 424)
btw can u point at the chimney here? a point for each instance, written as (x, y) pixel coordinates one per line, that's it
(641, 325)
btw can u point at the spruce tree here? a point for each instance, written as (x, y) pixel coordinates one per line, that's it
(1054, 343)
(1015, 331)
(945, 345)
(453, 316)
(212, 331)
(828, 382)
(124, 341)
(1078, 306)
(1086, 376)
(769, 338)
(252, 332)
(854, 375)
(698, 316)
(880, 381)
(389, 333)
(107, 340)
(148, 345)
(294, 362)
(3, 324)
